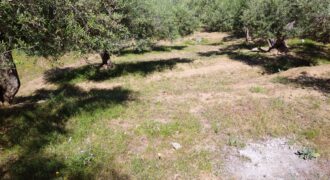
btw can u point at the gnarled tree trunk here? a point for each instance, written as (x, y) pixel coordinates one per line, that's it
(248, 37)
(279, 44)
(106, 61)
(9, 80)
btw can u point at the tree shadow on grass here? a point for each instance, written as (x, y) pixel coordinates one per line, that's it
(311, 50)
(271, 64)
(231, 37)
(32, 125)
(92, 72)
(156, 48)
(304, 80)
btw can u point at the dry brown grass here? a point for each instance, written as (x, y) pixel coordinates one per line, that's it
(206, 105)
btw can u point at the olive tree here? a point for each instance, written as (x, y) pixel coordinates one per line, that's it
(270, 19)
(220, 15)
(54, 27)
(173, 18)
(314, 19)
(277, 20)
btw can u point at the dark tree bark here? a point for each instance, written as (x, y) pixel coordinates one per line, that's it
(278, 44)
(106, 61)
(9, 79)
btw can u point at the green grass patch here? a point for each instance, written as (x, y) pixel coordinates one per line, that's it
(93, 73)
(187, 163)
(308, 49)
(147, 169)
(155, 129)
(197, 41)
(66, 135)
(311, 133)
(281, 80)
(235, 142)
(30, 67)
(258, 89)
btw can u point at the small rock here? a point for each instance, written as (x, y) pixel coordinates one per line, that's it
(177, 176)
(199, 39)
(160, 156)
(255, 50)
(176, 145)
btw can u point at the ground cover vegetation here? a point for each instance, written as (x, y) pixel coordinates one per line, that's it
(101, 89)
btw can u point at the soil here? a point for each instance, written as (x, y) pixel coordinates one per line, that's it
(272, 159)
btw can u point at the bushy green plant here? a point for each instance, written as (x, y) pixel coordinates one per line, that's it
(173, 18)
(314, 19)
(51, 27)
(307, 153)
(220, 15)
(54, 27)
(288, 18)
(268, 18)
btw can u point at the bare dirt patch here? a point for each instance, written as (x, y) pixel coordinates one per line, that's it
(94, 85)
(32, 86)
(272, 159)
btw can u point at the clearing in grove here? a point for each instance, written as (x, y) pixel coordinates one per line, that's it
(235, 113)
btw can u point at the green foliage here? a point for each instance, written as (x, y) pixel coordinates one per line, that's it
(173, 18)
(269, 18)
(307, 153)
(314, 19)
(220, 15)
(55, 27)
(289, 18)
(48, 28)
(185, 21)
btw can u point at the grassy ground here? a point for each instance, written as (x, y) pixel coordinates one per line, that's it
(74, 121)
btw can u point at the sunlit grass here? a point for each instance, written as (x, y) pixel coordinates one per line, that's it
(77, 132)
(258, 89)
